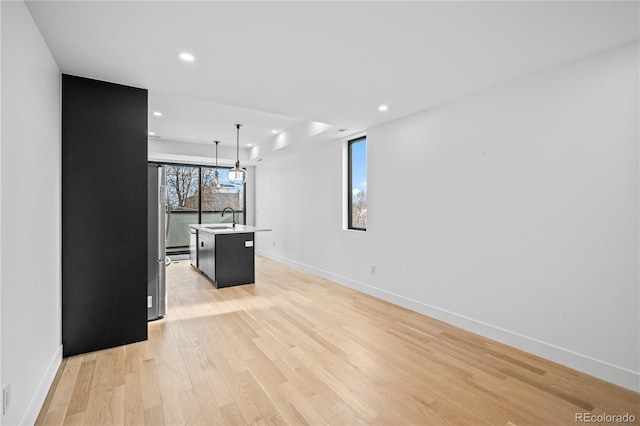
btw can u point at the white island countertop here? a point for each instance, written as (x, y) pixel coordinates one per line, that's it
(226, 228)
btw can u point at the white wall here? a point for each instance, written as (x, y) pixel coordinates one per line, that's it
(523, 214)
(30, 217)
(194, 153)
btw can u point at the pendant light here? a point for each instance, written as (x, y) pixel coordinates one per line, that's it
(216, 174)
(237, 176)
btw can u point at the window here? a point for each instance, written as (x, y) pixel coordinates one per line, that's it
(194, 197)
(182, 189)
(215, 197)
(357, 189)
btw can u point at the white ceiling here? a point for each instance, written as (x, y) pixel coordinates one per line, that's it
(196, 120)
(272, 65)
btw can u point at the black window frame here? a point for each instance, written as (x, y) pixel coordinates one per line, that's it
(185, 249)
(350, 182)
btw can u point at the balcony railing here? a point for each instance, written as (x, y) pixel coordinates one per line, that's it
(178, 238)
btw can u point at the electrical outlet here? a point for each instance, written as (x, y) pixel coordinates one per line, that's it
(372, 269)
(6, 398)
(274, 244)
(149, 301)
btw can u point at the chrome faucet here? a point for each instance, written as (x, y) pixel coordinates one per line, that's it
(233, 214)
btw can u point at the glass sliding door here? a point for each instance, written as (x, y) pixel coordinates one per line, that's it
(183, 192)
(218, 194)
(195, 196)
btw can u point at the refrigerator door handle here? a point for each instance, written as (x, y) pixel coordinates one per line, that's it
(164, 199)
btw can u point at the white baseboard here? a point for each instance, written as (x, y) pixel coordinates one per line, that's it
(43, 388)
(594, 367)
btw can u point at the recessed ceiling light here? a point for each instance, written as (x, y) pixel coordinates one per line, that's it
(249, 144)
(187, 57)
(157, 113)
(383, 108)
(152, 134)
(274, 131)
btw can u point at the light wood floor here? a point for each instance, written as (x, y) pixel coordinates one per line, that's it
(297, 349)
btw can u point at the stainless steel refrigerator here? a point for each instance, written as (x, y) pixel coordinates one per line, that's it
(157, 212)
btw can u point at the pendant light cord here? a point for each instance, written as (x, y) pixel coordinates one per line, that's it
(238, 146)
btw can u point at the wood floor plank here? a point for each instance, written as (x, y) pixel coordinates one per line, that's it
(207, 400)
(154, 416)
(74, 419)
(232, 415)
(286, 409)
(81, 391)
(242, 399)
(297, 349)
(133, 405)
(190, 409)
(150, 390)
(133, 356)
(56, 410)
(309, 413)
(172, 405)
(218, 389)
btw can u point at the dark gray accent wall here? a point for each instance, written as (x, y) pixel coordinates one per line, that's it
(104, 215)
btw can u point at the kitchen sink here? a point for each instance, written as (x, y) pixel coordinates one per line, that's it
(217, 226)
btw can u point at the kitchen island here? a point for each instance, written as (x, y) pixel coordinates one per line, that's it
(224, 253)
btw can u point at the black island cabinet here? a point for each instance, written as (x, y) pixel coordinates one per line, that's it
(226, 256)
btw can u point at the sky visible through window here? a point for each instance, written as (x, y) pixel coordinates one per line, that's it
(359, 166)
